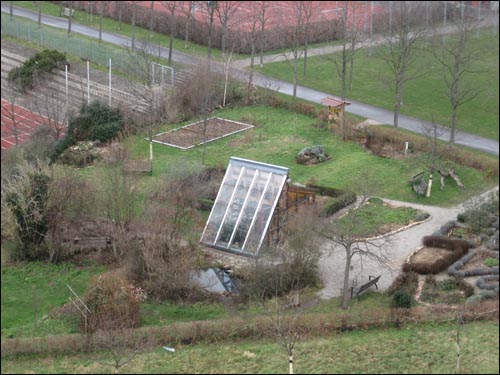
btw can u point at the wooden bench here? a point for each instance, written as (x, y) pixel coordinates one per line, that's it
(372, 281)
(68, 12)
(418, 184)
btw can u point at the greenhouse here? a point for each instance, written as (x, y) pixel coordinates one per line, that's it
(244, 206)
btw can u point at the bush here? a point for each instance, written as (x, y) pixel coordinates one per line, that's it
(377, 136)
(113, 302)
(406, 281)
(336, 204)
(481, 296)
(491, 262)
(40, 64)
(402, 299)
(323, 190)
(25, 193)
(96, 121)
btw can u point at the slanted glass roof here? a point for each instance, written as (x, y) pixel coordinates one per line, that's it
(244, 206)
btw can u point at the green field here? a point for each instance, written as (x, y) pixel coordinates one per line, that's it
(424, 97)
(282, 134)
(422, 349)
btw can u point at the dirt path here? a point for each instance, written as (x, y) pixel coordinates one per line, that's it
(401, 245)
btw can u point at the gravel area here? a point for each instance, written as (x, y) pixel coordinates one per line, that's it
(398, 248)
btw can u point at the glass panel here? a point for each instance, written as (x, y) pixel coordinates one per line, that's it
(264, 215)
(221, 203)
(235, 207)
(244, 206)
(249, 210)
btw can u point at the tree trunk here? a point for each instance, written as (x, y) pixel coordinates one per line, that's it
(305, 59)
(100, 23)
(39, 14)
(151, 19)
(133, 25)
(397, 104)
(250, 75)
(11, 10)
(119, 5)
(170, 48)
(290, 363)
(186, 39)
(70, 18)
(346, 296)
(295, 72)
(223, 40)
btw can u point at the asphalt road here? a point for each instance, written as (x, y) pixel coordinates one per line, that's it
(371, 112)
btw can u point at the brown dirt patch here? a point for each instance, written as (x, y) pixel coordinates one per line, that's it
(192, 135)
(477, 260)
(429, 255)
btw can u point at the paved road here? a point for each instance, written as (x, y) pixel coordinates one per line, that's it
(375, 113)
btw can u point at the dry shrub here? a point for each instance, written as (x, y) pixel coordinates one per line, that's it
(113, 302)
(457, 249)
(377, 136)
(405, 281)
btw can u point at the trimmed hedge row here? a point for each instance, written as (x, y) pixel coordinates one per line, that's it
(457, 249)
(336, 204)
(238, 328)
(454, 269)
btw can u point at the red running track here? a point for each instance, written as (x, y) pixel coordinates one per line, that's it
(25, 120)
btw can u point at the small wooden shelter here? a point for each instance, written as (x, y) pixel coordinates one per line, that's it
(336, 107)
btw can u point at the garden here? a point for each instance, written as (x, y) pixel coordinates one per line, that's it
(123, 246)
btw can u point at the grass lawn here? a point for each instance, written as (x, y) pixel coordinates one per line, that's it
(377, 218)
(41, 287)
(425, 348)
(424, 97)
(282, 134)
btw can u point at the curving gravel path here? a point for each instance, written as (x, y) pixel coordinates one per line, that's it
(400, 246)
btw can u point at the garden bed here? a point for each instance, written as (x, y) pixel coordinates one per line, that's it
(191, 135)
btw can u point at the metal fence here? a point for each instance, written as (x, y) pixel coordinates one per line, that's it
(85, 49)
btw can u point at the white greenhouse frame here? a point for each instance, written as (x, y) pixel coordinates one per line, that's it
(244, 207)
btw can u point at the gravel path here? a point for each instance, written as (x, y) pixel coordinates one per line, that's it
(400, 246)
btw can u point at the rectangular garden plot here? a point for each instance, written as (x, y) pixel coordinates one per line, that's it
(191, 135)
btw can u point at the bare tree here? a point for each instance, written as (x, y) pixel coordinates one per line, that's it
(263, 18)
(457, 58)
(297, 21)
(308, 13)
(349, 234)
(9, 118)
(133, 24)
(349, 40)
(70, 17)
(284, 326)
(211, 7)
(119, 11)
(103, 8)
(54, 108)
(39, 13)
(171, 7)
(225, 11)
(117, 343)
(254, 18)
(188, 8)
(402, 49)
(151, 19)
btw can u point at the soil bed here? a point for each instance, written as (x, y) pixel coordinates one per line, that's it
(428, 255)
(191, 135)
